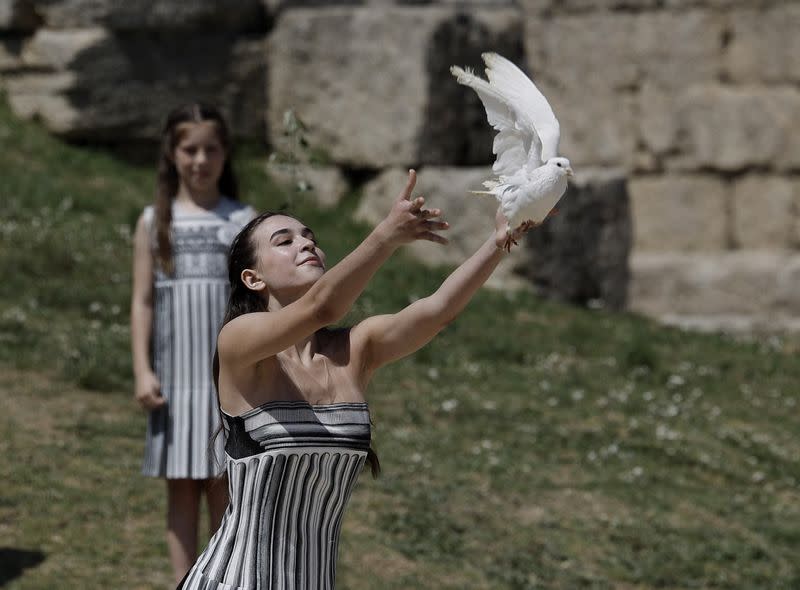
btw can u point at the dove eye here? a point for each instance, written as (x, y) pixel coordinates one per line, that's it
(558, 164)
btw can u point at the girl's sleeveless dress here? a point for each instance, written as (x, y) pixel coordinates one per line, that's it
(291, 469)
(188, 308)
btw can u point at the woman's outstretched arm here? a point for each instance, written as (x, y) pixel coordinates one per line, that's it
(256, 336)
(385, 338)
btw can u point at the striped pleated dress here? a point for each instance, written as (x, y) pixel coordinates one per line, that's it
(188, 307)
(291, 469)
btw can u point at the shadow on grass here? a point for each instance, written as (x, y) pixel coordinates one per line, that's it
(15, 561)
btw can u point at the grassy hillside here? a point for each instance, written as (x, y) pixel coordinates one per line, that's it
(532, 445)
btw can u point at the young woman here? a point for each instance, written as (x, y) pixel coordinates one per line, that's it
(292, 390)
(179, 292)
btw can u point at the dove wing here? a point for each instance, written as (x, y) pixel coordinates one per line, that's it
(521, 92)
(516, 144)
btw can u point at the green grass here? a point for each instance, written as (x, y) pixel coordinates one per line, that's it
(532, 445)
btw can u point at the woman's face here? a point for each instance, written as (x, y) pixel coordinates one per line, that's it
(288, 259)
(199, 156)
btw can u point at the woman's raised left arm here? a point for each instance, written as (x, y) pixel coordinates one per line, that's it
(385, 338)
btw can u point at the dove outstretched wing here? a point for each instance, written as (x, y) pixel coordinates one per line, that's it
(521, 92)
(527, 130)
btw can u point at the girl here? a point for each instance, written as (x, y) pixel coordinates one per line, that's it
(292, 390)
(179, 292)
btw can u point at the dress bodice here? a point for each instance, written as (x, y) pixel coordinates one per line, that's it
(291, 469)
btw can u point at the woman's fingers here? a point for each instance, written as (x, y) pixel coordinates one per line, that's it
(432, 237)
(405, 194)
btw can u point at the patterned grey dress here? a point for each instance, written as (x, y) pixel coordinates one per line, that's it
(291, 469)
(187, 312)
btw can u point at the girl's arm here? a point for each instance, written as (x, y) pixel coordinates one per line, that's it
(147, 389)
(385, 338)
(255, 336)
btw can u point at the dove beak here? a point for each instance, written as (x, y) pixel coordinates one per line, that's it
(570, 173)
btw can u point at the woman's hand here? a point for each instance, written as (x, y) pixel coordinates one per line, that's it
(503, 238)
(408, 221)
(148, 391)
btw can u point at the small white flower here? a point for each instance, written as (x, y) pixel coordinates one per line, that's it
(95, 306)
(758, 476)
(577, 395)
(449, 405)
(433, 373)
(675, 381)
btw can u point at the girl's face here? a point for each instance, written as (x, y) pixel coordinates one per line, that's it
(289, 260)
(199, 156)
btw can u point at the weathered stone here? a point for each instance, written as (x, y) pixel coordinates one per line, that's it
(18, 15)
(657, 115)
(57, 50)
(551, 7)
(580, 253)
(735, 129)
(110, 87)
(600, 131)
(680, 213)
(157, 15)
(737, 283)
(763, 212)
(765, 45)
(583, 52)
(385, 96)
(590, 65)
(325, 184)
(44, 96)
(618, 51)
(471, 217)
(677, 49)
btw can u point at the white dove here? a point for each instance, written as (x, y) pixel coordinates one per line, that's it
(531, 178)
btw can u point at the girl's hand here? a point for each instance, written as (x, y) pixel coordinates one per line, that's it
(148, 391)
(408, 221)
(502, 237)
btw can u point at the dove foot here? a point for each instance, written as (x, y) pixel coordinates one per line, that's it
(507, 245)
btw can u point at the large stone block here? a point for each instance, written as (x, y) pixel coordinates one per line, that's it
(679, 213)
(591, 66)
(600, 131)
(580, 253)
(471, 217)
(765, 45)
(154, 15)
(763, 212)
(618, 51)
(732, 129)
(592, 51)
(372, 84)
(92, 84)
(725, 285)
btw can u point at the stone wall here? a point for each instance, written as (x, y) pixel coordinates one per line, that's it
(696, 101)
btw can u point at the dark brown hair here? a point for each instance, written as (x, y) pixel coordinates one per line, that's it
(168, 180)
(242, 300)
